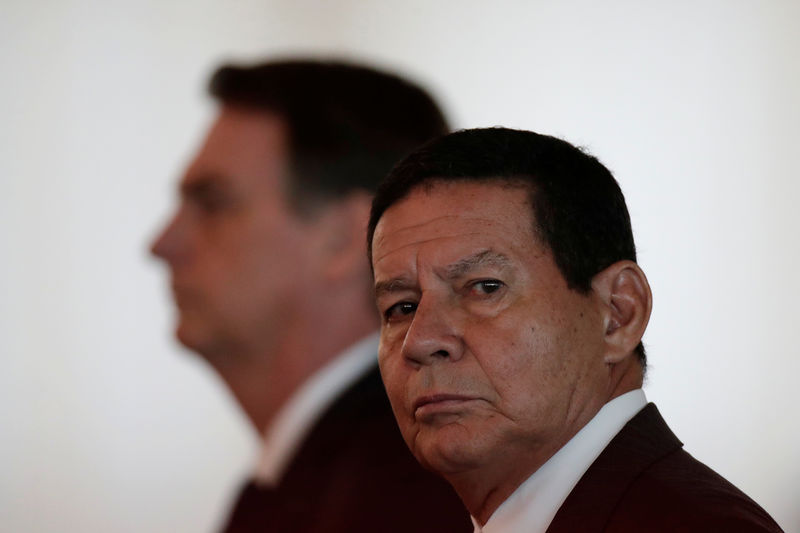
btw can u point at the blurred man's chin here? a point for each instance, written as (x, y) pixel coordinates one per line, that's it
(213, 345)
(184, 336)
(192, 337)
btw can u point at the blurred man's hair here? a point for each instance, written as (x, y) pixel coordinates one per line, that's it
(578, 209)
(347, 124)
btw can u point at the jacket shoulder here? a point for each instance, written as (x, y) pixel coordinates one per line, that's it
(679, 493)
(644, 481)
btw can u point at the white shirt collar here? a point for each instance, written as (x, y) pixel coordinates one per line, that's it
(532, 506)
(299, 414)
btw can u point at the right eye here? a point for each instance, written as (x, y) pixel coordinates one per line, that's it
(399, 310)
(211, 204)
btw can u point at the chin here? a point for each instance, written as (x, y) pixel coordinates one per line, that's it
(447, 452)
(191, 337)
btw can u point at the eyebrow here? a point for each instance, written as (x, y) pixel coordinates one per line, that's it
(203, 185)
(477, 260)
(392, 285)
(455, 270)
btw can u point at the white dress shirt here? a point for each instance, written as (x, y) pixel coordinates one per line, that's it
(299, 414)
(534, 504)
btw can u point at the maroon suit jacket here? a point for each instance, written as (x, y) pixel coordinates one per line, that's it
(645, 481)
(353, 474)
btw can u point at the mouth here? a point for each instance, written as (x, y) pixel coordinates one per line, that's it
(433, 403)
(183, 296)
(178, 293)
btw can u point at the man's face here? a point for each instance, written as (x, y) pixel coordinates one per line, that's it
(485, 353)
(238, 255)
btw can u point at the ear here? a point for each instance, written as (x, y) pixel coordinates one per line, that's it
(342, 233)
(627, 301)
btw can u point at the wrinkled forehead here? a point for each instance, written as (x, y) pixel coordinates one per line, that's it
(455, 215)
(439, 231)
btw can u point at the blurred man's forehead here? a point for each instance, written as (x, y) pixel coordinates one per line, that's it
(241, 145)
(238, 130)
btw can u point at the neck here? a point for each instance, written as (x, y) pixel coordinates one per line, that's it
(262, 385)
(263, 377)
(484, 489)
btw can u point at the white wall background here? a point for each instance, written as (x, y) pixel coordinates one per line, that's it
(107, 426)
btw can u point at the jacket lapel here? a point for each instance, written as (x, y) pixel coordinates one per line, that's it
(645, 439)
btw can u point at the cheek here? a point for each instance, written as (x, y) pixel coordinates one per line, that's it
(391, 373)
(521, 357)
(394, 380)
(392, 339)
(506, 339)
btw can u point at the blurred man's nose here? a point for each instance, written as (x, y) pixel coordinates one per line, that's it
(168, 244)
(434, 333)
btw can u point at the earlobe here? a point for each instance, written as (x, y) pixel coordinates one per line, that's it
(627, 302)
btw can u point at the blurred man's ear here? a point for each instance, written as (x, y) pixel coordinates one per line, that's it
(342, 232)
(627, 301)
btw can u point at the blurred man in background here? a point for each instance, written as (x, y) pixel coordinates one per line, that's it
(266, 253)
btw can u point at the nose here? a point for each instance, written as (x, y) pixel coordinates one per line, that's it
(169, 245)
(434, 334)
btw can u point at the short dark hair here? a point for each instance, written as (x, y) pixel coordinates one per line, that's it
(347, 124)
(579, 211)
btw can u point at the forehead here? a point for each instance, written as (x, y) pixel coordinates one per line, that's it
(456, 218)
(241, 142)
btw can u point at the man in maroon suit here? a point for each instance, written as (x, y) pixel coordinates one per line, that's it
(512, 317)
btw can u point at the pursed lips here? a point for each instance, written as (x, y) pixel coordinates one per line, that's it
(433, 402)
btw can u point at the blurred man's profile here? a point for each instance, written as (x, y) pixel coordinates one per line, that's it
(272, 287)
(513, 311)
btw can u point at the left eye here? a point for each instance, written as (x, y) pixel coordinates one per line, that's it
(487, 286)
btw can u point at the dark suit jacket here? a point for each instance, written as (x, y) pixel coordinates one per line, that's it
(353, 474)
(645, 481)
